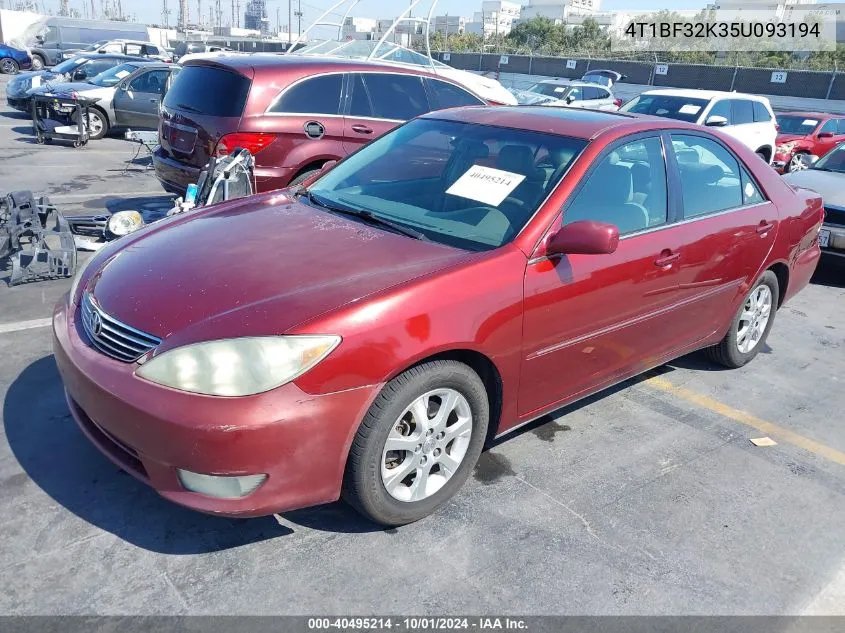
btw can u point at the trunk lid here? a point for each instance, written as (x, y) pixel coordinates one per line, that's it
(205, 103)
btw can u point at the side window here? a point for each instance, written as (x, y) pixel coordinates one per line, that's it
(721, 108)
(153, 82)
(575, 94)
(761, 113)
(113, 48)
(398, 97)
(750, 191)
(133, 49)
(316, 95)
(151, 50)
(51, 36)
(743, 111)
(590, 93)
(95, 67)
(360, 104)
(627, 189)
(448, 95)
(831, 126)
(602, 94)
(709, 176)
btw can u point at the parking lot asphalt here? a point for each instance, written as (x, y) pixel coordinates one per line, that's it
(646, 499)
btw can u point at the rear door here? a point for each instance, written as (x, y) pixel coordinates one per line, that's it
(742, 125)
(377, 102)
(204, 103)
(729, 225)
(138, 105)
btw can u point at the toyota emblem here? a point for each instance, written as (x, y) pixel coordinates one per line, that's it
(96, 324)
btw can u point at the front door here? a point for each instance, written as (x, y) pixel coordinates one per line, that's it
(590, 320)
(138, 105)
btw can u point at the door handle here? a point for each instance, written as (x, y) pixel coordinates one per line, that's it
(362, 129)
(153, 100)
(765, 227)
(667, 258)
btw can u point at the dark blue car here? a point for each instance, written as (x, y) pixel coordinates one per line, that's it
(13, 60)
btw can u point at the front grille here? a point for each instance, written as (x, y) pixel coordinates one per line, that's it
(112, 337)
(832, 215)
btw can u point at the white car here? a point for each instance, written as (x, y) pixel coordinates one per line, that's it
(748, 118)
(133, 48)
(563, 93)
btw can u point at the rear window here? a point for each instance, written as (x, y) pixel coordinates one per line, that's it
(316, 95)
(761, 113)
(743, 112)
(208, 90)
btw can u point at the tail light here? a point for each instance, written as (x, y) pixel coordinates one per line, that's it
(617, 103)
(252, 141)
(777, 127)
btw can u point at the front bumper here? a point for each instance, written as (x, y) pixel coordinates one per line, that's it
(835, 239)
(19, 103)
(298, 439)
(780, 161)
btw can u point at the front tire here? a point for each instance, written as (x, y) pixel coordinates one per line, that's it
(418, 443)
(9, 66)
(37, 62)
(98, 124)
(750, 326)
(795, 163)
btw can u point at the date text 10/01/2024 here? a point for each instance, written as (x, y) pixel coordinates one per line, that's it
(417, 623)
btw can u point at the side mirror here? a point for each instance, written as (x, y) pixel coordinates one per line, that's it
(584, 237)
(326, 167)
(807, 160)
(716, 121)
(825, 134)
(79, 75)
(569, 99)
(123, 86)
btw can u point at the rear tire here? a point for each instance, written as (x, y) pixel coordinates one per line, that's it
(747, 333)
(442, 446)
(38, 62)
(9, 66)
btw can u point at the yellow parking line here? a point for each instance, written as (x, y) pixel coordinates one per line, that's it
(782, 434)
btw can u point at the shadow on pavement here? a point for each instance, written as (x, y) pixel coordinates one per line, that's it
(830, 272)
(63, 463)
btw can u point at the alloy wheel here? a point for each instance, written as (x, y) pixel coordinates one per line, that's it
(9, 67)
(754, 318)
(426, 445)
(95, 124)
(796, 164)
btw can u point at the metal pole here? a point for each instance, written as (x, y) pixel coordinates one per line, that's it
(299, 18)
(832, 80)
(290, 23)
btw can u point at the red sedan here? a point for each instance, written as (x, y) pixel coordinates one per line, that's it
(806, 133)
(465, 274)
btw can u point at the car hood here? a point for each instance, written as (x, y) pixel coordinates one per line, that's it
(90, 90)
(830, 185)
(786, 138)
(22, 82)
(254, 266)
(526, 97)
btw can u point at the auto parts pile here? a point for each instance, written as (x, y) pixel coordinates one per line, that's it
(36, 237)
(221, 179)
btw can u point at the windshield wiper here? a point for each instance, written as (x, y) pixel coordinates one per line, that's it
(369, 216)
(185, 106)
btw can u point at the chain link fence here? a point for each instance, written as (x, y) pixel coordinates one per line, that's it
(638, 69)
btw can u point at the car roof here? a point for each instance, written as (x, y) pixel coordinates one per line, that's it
(262, 62)
(693, 93)
(560, 81)
(804, 113)
(580, 123)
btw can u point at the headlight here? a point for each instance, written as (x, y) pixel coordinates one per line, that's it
(80, 270)
(124, 222)
(238, 366)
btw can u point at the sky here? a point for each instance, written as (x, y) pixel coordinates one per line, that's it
(149, 11)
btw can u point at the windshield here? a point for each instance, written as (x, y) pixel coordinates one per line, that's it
(113, 76)
(797, 124)
(549, 90)
(667, 106)
(68, 65)
(96, 45)
(832, 161)
(466, 185)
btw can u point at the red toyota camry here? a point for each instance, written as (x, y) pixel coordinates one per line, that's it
(474, 269)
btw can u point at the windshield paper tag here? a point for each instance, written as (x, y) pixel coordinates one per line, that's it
(689, 108)
(36, 81)
(809, 122)
(122, 74)
(485, 184)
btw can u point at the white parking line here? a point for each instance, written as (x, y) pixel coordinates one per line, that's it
(5, 328)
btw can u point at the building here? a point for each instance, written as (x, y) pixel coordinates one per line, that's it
(255, 17)
(496, 17)
(359, 28)
(561, 10)
(449, 24)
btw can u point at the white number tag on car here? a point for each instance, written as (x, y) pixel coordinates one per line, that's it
(485, 184)
(824, 238)
(36, 81)
(689, 108)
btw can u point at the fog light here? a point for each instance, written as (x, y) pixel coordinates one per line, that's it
(220, 486)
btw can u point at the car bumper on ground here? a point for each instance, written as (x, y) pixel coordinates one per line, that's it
(299, 440)
(832, 239)
(780, 161)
